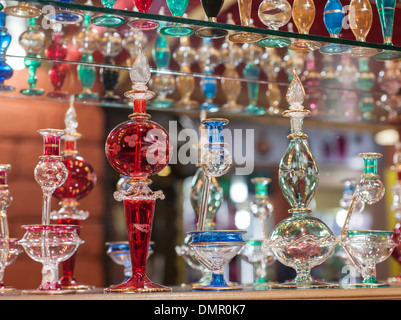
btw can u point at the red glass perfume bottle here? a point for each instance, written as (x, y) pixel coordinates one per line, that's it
(58, 51)
(80, 182)
(138, 148)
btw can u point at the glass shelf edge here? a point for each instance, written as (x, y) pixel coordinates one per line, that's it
(226, 26)
(192, 74)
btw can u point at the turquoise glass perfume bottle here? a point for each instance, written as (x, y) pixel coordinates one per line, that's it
(162, 83)
(33, 41)
(87, 41)
(333, 18)
(365, 81)
(108, 20)
(177, 9)
(6, 72)
(386, 9)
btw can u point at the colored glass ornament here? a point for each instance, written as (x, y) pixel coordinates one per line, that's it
(212, 9)
(6, 72)
(360, 22)
(87, 41)
(23, 10)
(79, 183)
(65, 16)
(177, 9)
(138, 148)
(108, 20)
(57, 50)
(386, 9)
(333, 18)
(32, 41)
(274, 14)
(143, 24)
(303, 14)
(245, 9)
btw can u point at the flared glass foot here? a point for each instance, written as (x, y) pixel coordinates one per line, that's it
(87, 96)
(176, 31)
(254, 110)
(108, 21)
(334, 48)
(217, 283)
(244, 37)
(361, 52)
(4, 88)
(162, 103)
(142, 24)
(65, 17)
(57, 94)
(140, 284)
(211, 33)
(387, 55)
(365, 285)
(274, 42)
(309, 284)
(47, 292)
(22, 11)
(304, 46)
(190, 104)
(70, 283)
(32, 92)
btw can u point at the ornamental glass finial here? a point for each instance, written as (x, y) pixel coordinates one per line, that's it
(296, 93)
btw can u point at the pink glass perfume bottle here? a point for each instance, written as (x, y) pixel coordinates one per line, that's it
(48, 243)
(80, 182)
(138, 148)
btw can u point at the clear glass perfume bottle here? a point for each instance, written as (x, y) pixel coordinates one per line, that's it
(300, 241)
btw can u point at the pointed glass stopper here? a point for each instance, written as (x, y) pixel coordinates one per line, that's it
(70, 120)
(296, 93)
(140, 70)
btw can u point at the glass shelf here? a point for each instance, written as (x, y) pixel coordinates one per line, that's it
(328, 114)
(201, 23)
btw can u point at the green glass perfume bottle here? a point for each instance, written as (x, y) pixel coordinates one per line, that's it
(365, 81)
(162, 83)
(300, 241)
(87, 41)
(386, 9)
(33, 42)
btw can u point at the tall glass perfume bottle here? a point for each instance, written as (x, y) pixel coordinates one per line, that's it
(303, 14)
(110, 46)
(185, 56)
(6, 72)
(58, 51)
(48, 243)
(9, 247)
(365, 81)
(300, 241)
(274, 14)
(231, 55)
(396, 208)
(360, 22)
(212, 9)
(162, 84)
(87, 41)
(245, 10)
(252, 56)
(80, 182)
(133, 151)
(33, 42)
(271, 64)
(333, 18)
(215, 248)
(367, 248)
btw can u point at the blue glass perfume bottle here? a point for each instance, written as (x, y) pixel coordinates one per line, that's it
(333, 17)
(6, 72)
(209, 89)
